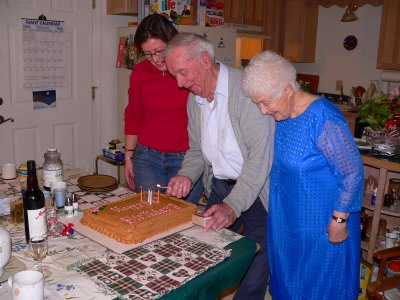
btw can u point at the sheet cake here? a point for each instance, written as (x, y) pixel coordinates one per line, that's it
(131, 221)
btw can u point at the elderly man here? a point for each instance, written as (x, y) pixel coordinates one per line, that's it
(231, 144)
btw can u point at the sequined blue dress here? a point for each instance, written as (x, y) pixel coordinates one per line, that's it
(317, 169)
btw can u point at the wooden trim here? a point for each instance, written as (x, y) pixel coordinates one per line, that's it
(344, 3)
(381, 163)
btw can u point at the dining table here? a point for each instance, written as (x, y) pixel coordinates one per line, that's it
(75, 260)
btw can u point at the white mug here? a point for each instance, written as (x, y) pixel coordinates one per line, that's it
(27, 285)
(8, 171)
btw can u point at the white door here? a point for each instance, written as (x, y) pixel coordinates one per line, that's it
(68, 126)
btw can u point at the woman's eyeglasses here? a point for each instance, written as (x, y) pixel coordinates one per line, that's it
(152, 55)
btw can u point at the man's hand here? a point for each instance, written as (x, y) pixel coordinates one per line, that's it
(179, 186)
(222, 216)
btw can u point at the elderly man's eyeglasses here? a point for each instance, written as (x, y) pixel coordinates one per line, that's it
(158, 54)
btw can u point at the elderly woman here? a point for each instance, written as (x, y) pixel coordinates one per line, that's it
(316, 187)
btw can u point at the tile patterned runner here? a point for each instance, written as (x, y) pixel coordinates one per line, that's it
(154, 269)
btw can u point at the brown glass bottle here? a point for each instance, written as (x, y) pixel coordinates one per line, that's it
(364, 224)
(34, 205)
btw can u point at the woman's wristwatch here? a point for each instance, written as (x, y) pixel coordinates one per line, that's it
(131, 157)
(339, 219)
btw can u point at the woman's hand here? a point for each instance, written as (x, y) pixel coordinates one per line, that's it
(129, 174)
(337, 232)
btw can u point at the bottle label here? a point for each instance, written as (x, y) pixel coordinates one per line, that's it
(37, 222)
(50, 176)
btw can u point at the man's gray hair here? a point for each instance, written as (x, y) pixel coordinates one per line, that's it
(195, 45)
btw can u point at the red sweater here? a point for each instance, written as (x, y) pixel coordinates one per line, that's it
(156, 111)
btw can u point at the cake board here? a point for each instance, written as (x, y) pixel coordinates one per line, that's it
(111, 243)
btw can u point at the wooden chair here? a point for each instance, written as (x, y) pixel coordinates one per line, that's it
(377, 290)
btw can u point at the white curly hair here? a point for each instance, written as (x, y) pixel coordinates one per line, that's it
(268, 74)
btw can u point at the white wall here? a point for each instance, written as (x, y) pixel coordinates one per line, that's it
(333, 62)
(106, 82)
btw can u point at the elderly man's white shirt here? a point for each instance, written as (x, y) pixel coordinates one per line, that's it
(218, 141)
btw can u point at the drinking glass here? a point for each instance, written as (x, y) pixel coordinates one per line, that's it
(38, 247)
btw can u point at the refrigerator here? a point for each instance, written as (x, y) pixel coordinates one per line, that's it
(225, 47)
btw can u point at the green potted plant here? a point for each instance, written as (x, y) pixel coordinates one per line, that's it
(375, 112)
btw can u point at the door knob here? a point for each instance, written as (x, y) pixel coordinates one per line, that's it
(2, 120)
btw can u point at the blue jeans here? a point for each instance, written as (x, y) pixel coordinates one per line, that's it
(254, 220)
(152, 167)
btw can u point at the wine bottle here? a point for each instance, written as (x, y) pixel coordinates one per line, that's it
(34, 205)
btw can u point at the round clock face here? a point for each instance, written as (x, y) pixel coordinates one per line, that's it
(350, 42)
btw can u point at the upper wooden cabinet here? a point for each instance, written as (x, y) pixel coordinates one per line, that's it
(249, 12)
(122, 7)
(389, 38)
(299, 31)
(272, 25)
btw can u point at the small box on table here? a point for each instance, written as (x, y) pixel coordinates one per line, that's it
(116, 154)
(200, 219)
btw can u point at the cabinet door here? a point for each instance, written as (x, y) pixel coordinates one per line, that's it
(233, 11)
(272, 25)
(253, 12)
(122, 7)
(300, 31)
(389, 38)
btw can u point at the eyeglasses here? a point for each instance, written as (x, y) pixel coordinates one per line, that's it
(152, 55)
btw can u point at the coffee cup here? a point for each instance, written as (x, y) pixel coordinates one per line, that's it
(8, 171)
(27, 285)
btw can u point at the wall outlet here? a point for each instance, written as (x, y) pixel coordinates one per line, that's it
(339, 85)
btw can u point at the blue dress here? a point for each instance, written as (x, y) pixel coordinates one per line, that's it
(317, 169)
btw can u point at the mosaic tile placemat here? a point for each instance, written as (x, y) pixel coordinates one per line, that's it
(154, 269)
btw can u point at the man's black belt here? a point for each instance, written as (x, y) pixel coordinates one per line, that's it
(228, 181)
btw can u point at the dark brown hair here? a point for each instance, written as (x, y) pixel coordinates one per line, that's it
(154, 26)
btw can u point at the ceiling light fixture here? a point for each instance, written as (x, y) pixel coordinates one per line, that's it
(349, 15)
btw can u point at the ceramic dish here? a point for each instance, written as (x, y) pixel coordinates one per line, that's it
(97, 182)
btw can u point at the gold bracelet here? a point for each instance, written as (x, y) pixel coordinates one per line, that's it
(131, 150)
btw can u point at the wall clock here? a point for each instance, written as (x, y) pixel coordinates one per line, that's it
(350, 42)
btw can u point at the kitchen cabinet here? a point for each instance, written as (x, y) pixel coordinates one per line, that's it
(380, 171)
(272, 25)
(299, 31)
(122, 7)
(389, 38)
(249, 12)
